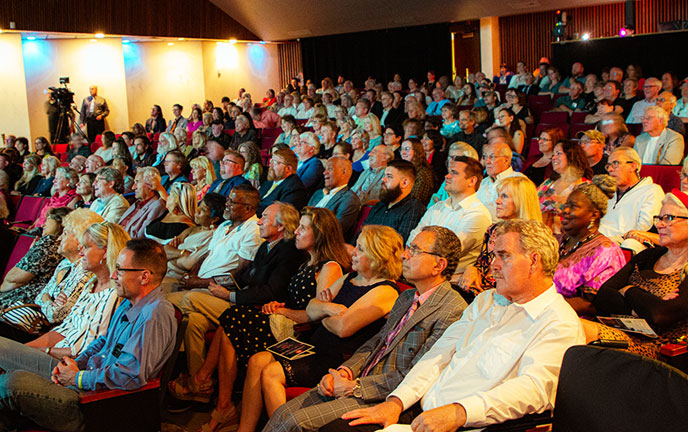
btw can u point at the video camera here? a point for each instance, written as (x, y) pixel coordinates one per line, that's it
(62, 95)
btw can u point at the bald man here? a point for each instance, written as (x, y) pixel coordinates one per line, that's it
(336, 195)
(667, 101)
(94, 109)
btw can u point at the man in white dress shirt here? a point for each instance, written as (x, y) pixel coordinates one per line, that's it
(497, 160)
(462, 212)
(501, 359)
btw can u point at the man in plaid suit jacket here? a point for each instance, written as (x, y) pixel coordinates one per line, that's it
(417, 320)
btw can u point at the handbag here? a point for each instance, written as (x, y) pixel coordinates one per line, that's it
(26, 317)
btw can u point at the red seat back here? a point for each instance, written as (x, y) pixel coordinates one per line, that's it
(21, 247)
(29, 208)
(544, 126)
(667, 176)
(579, 127)
(635, 128)
(553, 117)
(365, 211)
(578, 117)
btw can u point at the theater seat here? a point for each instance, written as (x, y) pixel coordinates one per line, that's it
(667, 176)
(603, 389)
(21, 247)
(28, 210)
(578, 117)
(365, 211)
(544, 126)
(554, 117)
(579, 127)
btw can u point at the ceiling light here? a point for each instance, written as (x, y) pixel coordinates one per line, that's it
(99, 35)
(93, 40)
(125, 41)
(586, 36)
(232, 41)
(263, 42)
(181, 39)
(31, 38)
(170, 43)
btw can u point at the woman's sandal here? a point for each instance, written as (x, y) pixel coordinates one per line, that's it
(185, 388)
(227, 422)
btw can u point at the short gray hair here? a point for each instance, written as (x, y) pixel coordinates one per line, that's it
(112, 175)
(312, 140)
(69, 174)
(662, 115)
(631, 154)
(534, 237)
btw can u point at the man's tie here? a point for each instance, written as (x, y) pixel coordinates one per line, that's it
(391, 336)
(272, 188)
(220, 186)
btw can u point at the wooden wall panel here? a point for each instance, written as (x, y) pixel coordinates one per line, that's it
(529, 36)
(170, 18)
(290, 64)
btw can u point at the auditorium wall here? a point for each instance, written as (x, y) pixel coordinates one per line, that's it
(14, 119)
(85, 63)
(228, 67)
(160, 74)
(132, 77)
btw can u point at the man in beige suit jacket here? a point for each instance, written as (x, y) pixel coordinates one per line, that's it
(658, 145)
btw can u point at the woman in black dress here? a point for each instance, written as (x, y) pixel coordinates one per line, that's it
(351, 312)
(246, 330)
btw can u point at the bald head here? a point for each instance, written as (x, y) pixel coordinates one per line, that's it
(667, 101)
(337, 172)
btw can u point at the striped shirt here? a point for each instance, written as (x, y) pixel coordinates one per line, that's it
(88, 319)
(69, 279)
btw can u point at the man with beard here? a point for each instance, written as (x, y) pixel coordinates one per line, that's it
(283, 184)
(396, 208)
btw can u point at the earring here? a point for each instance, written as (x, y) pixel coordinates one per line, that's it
(591, 225)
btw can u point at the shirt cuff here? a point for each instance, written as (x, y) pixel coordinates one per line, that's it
(232, 296)
(405, 395)
(87, 380)
(475, 410)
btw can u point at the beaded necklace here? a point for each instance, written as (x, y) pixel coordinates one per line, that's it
(562, 249)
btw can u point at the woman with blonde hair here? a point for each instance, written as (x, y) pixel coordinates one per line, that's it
(371, 124)
(517, 198)
(31, 176)
(49, 166)
(198, 140)
(101, 244)
(181, 210)
(203, 175)
(414, 109)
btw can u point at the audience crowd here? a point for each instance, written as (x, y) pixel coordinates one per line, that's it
(435, 247)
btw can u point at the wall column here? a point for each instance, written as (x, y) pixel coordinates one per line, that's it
(490, 56)
(15, 118)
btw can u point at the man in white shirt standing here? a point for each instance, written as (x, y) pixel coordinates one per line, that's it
(501, 360)
(497, 160)
(232, 247)
(462, 212)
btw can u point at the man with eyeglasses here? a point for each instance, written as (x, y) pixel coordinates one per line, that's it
(635, 202)
(668, 102)
(419, 317)
(462, 212)
(137, 344)
(658, 145)
(497, 161)
(231, 173)
(468, 134)
(651, 90)
(500, 360)
(283, 183)
(175, 164)
(232, 248)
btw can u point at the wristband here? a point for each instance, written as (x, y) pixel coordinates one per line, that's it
(79, 376)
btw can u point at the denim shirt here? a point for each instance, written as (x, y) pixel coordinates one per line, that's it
(138, 342)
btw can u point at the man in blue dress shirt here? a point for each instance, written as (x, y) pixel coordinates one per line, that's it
(138, 342)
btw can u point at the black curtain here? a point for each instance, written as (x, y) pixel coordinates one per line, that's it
(656, 53)
(409, 51)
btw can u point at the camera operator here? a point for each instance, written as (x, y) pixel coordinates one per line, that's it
(59, 130)
(94, 109)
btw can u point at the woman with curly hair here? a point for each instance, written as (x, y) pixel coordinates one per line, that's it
(412, 151)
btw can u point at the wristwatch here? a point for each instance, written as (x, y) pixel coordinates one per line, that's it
(47, 350)
(356, 391)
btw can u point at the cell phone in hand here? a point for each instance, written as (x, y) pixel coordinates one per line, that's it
(226, 281)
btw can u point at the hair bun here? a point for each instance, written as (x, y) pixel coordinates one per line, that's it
(605, 183)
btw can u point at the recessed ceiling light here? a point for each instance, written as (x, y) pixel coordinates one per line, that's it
(31, 38)
(170, 43)
(232, 41)
(99, 35)
(125, 41)
(181, 39)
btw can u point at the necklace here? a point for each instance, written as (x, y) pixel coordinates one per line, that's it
(562, 249)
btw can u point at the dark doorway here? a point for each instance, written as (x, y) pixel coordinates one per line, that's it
(466, 47)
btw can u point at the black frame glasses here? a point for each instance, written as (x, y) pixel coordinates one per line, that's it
(667, 219)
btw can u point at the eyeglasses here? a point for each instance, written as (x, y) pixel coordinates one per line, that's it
(683, 176)
(231, 203)
(616, 164)
(228, 161)
(276, 161)
(667, 219)
(122, 270)
(544, 139)
(489, 158)
(414, 251)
